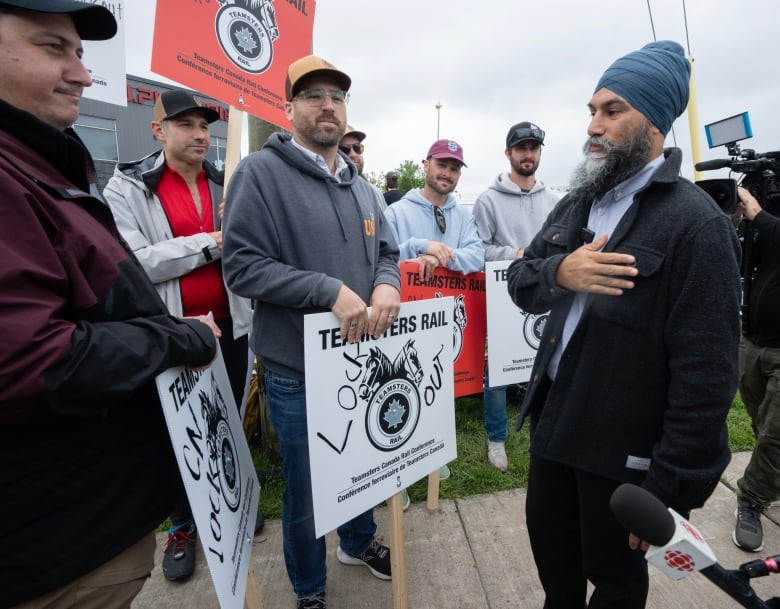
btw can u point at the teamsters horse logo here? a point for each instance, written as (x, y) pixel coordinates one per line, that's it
(246, 30)
(391, 390)
(461, 321)
(221, 447)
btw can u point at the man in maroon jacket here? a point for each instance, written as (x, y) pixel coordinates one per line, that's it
(86, 465)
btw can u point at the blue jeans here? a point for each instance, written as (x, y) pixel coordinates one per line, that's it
(304, 554)
(494, 404)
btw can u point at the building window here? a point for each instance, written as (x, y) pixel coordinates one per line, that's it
(99, 135)
(217, 152)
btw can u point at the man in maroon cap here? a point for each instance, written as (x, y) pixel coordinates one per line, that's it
(428, 223)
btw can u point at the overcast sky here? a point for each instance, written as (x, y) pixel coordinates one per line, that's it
(497, 62)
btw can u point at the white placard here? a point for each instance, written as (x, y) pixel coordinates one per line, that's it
(513, 334)
(217, 469)
(105, 61)
(380, 413)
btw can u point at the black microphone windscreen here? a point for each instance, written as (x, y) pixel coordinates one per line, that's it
(712, 165)
(642, 513)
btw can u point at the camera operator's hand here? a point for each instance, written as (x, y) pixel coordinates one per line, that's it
(747, 204)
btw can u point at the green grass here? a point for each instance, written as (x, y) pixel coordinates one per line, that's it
(740, 431)
(471, 472)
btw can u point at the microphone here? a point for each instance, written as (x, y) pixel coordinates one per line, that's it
(712, 165)
(677, 548)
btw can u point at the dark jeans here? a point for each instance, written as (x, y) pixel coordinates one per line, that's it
(759, 386)
(304, 553)
(575, 538)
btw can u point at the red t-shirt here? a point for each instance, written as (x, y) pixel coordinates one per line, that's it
(202, 289)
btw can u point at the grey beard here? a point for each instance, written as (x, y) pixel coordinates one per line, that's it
(593, 179)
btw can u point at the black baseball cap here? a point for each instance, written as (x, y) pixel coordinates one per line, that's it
(522, 132)
(92, 21)
(171, 103)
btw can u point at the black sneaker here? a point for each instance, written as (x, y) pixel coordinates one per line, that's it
(376, 557)
(748, 533)
(179, 560)
(312, 601)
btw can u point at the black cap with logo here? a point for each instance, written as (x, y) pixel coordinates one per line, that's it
(524, 131)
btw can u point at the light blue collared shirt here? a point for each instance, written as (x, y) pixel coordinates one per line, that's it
(604, 216)
(341, 164)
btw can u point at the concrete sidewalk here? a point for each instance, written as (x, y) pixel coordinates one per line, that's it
(472, 553)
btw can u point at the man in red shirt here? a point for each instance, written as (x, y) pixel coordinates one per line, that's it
(166, 207)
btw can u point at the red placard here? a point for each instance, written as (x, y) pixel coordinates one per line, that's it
(236, 51)
(470, 318)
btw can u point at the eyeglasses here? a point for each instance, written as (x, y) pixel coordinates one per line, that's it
(527, 133)
(317, 96)
(356, 148)
(441, 221)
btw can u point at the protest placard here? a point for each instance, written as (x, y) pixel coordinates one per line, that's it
(469, 324)
(105, 62)
(236, 51)
(513, 335)
(217, 470)
(380, 412)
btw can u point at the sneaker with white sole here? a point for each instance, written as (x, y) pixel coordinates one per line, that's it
(497, 455)
(376, 557)
(748, 533)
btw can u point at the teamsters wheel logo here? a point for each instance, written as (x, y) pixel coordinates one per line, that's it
(246, 30)
(533, 326)
(392, 415)
(231, 486)
(391, 389)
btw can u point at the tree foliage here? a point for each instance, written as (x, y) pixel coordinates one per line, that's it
(410, 175)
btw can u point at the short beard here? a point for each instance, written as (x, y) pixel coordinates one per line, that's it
(520, 170)
(594, 177)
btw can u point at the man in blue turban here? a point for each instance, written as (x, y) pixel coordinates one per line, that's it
(638, 361)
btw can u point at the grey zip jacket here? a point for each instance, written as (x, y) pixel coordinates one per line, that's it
(141, 219)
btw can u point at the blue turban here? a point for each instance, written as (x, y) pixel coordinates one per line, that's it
(654, 80)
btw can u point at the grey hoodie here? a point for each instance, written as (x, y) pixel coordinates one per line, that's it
(293, 235)
(508, 218)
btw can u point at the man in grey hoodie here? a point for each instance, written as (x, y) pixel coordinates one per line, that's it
(508, 215)
(303, 233)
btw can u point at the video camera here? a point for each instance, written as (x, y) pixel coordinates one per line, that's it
(758, 168)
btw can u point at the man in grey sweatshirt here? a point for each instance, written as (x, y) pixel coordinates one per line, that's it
(303, 233)
(508, 215)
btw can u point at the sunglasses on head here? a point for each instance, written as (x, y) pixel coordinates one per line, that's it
(356, 148)
(528, 133)
(441, 221)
